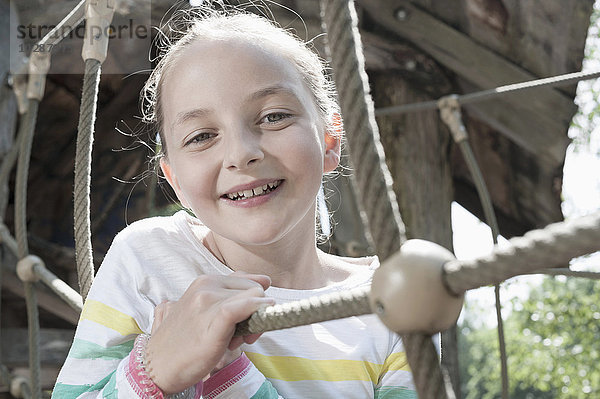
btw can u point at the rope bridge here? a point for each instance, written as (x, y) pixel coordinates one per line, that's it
(424, 262)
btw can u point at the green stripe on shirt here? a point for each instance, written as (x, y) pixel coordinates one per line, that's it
(394, 393)
(65, 391)
(83, 349)
(266, 391)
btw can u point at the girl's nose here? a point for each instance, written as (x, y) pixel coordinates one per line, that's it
(243, 149)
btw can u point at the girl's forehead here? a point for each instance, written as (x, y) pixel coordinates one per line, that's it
(234, 59)
(207, 70)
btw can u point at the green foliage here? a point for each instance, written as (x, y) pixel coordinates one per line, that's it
(553, 345)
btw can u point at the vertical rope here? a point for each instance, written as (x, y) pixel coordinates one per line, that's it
(490, 217)
(373, 179)
(372, 176)
(83, 166)
(26, 139)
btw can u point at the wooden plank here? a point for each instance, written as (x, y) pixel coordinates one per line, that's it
(549, 109)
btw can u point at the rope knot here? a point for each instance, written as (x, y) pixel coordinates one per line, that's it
(451, 114)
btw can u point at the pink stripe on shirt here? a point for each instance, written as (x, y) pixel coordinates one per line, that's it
(226, 377)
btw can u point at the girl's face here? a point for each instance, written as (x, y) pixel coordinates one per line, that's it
(246, 148)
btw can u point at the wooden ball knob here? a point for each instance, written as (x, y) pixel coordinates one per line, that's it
(407, 291)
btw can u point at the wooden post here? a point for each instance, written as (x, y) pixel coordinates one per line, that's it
(417, 148)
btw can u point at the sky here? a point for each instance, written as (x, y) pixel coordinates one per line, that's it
(581, 194)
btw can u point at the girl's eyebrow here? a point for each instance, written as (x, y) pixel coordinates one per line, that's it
(185, 116)
(272, 90)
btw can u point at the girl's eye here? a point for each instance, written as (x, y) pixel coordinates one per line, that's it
(200, 138)
(275, 117)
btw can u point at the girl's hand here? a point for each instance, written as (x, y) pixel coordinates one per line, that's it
(192, 337)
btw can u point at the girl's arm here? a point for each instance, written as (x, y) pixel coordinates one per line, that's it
(114, 314)
(118, 310)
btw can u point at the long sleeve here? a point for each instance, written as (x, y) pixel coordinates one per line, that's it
(114, 313)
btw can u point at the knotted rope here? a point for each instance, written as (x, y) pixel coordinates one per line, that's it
(83, 167)
(373, 179)
(552, 246)
(312, 310)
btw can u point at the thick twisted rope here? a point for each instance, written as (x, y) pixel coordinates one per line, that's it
(373, 177)
(26, 139)
(554, 245)
(313, 310)
(83, 167)
(374, 182)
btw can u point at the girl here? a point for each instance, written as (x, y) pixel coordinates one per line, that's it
(247, 122)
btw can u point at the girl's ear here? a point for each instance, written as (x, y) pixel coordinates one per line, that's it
(172, 179)
(333, 146)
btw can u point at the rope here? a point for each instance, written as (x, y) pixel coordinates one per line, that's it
(556, 244)
(64, 27)
(554, 81)
(26, 134)
(59, 287)
(374, 182)
(538, 249)
(9, 161)
(312, 310)
(571, 273)
(450, 112)
(373, 178)
(83, 166)
(424, 365)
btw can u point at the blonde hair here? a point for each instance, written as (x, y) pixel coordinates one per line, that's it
(210, 22)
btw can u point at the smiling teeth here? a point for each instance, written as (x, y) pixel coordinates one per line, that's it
(264, 189)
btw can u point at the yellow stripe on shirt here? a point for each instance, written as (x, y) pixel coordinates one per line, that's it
(107, 316)
(290, 368)
(395, 361)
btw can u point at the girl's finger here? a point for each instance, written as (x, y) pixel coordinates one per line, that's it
(250, 339)
(239, 308)
(235, 343)
(262, 279)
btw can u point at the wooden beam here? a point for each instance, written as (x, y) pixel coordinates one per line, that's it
(547, 109)
(46, 300)
(417, 148)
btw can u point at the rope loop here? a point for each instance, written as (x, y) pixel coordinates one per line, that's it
(26, 268)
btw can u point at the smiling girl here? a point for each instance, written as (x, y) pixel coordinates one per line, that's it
(247, 121)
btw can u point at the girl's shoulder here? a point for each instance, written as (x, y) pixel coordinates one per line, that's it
(349, 271)
(175, 227)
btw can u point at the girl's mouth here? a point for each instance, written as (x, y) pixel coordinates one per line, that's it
(255, 192)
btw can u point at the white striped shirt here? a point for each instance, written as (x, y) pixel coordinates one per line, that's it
(156, 259)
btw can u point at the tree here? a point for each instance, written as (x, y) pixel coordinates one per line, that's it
(553, 345)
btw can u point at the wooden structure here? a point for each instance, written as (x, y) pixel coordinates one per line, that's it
(415, 50)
